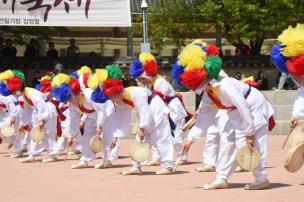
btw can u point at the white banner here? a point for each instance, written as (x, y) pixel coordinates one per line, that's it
(73, 13)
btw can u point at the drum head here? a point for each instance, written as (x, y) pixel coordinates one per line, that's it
(139, 152)
(7, 130)
(96, 144)
(248, 160)
(295, 158)
(296, 137)
(37, 134)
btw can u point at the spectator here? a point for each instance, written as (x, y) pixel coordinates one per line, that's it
(9, 50)
(52, 53)
(262, 81)
(35, 81)
(238, 76)
(1, 45)
(31, 48)
(58, 67)
(92, 54)
(129, 81)
(72, 50)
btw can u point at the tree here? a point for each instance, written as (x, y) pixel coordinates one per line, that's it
(242, 21)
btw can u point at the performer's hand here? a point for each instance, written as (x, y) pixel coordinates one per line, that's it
(141, 135)
(13, 121)
(114, 142)
(294, 122)
(186, 146)
(81, 125)
(250, 141)
(41, 124)
(98, 130)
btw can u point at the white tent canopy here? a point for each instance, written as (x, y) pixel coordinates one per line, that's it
(77, 13)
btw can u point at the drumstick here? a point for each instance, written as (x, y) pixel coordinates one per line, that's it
(291, 129)
(188, 125)
(178, 161)
(68, 150)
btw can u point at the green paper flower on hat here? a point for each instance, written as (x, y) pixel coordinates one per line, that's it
(213, 66)
(114, 72)
(19, 74)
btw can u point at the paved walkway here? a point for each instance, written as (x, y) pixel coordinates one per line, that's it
(56, 182)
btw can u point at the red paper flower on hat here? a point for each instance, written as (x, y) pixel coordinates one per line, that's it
(112, 87)
(86, 78)
(75, 86)
(193, 79)
(46, 86)
(150, 67)
(295, 65)
(212, 50)
(14, 84)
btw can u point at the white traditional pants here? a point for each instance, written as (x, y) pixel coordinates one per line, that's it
(229, 144)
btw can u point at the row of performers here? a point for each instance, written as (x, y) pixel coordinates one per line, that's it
(84, 104)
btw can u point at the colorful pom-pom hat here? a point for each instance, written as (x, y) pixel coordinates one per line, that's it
(11, 81)
(145, 66)
(288, 56)
(82, 75)
(64, 87)
(106, 83)
(45, 83)
(197, 65)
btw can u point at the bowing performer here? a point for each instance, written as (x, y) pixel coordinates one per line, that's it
(288, 57)
(154, 127)
(146, 70)
(11, 107)
(250, 114)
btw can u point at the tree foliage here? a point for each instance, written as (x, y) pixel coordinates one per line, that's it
(241, 21)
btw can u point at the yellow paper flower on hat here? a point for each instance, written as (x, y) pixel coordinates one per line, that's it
(60, 79)
(45, 78)
(6, 75)
(192, 58)
(143, 57)
(293, 40)
(83, 70)
(97, 78)
(200, 41)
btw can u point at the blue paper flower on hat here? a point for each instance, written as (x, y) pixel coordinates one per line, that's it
(277, 59)
(74, 75)
(136, 69)
(4, 90)
(98, 96)
(176, 71)
(63, 93)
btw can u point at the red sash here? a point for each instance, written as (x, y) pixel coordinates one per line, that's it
(3, 106)
(29, 101)
(128, 102)
(85, 110)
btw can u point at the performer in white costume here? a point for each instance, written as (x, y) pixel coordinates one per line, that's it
(154, 127)
(146, 70)
(288, 58)
(11, 111)
(250, 114)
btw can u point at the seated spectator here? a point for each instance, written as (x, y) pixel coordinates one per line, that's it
(92, 54)
(1, 45)
(58, 67)
(9, 50)
(72, 50)
(52, 53)
(238, 76)
(35, 81)
(262, 81)
(31, 48)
